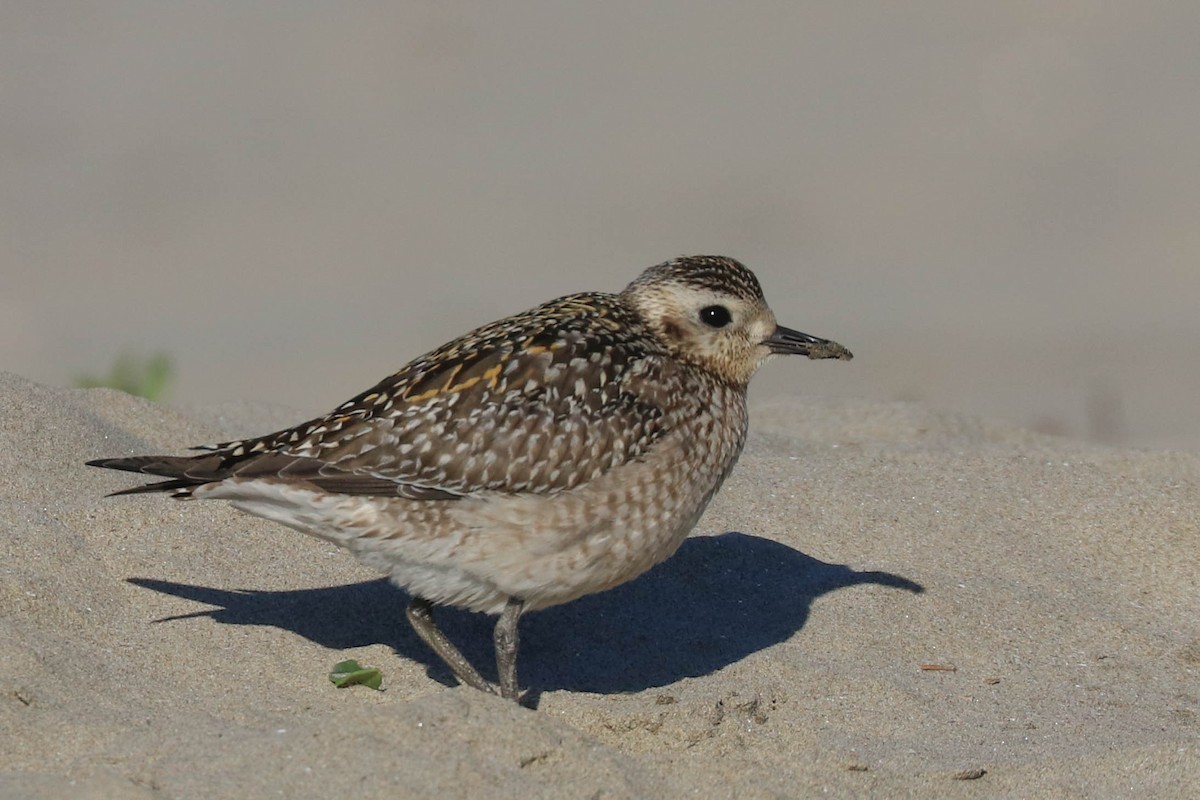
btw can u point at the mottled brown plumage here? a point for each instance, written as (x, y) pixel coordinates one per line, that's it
(548, 455)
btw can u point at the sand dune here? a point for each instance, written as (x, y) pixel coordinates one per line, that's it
(152, 648)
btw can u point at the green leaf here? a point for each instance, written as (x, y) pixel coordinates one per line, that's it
(350, 673)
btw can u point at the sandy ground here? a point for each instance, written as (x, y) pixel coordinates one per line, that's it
(151, 648)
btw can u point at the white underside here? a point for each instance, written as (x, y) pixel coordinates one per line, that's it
(478, 552)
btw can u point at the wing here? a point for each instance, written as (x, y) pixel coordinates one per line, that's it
(541, 402)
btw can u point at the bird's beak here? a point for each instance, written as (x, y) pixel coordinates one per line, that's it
(785, 341)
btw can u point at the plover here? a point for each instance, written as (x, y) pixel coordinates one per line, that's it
(548, 455)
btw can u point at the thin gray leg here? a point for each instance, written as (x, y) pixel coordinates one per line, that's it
(508, 639)
(420, 616)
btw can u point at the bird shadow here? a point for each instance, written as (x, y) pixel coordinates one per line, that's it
(717, 600)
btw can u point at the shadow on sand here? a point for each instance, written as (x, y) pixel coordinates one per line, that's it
(717, 600)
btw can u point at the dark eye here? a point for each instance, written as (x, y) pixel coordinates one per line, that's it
(715, 316)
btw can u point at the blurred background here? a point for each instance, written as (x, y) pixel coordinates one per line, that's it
(994, 205)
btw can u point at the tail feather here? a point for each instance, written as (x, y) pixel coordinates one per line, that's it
(185, 472)
(184, 484)
(189, 472)
(167, 466)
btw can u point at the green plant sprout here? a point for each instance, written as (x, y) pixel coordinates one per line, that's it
(145, 377)
(351, 673)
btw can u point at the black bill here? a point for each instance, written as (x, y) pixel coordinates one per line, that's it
(785, 341)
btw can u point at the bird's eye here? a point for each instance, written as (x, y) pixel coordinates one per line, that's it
(715, 316)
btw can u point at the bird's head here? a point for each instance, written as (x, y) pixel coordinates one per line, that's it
(710, 311)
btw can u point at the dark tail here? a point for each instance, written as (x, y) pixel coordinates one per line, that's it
(185, 472)
(188, 472)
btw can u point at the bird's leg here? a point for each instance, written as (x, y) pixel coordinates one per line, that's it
(507, 639)
(420, 616)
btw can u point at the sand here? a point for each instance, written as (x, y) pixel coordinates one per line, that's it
(152, 648)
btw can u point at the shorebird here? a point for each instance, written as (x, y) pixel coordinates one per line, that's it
(548, 455)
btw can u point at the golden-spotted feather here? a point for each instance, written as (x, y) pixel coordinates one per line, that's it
(539, 402)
